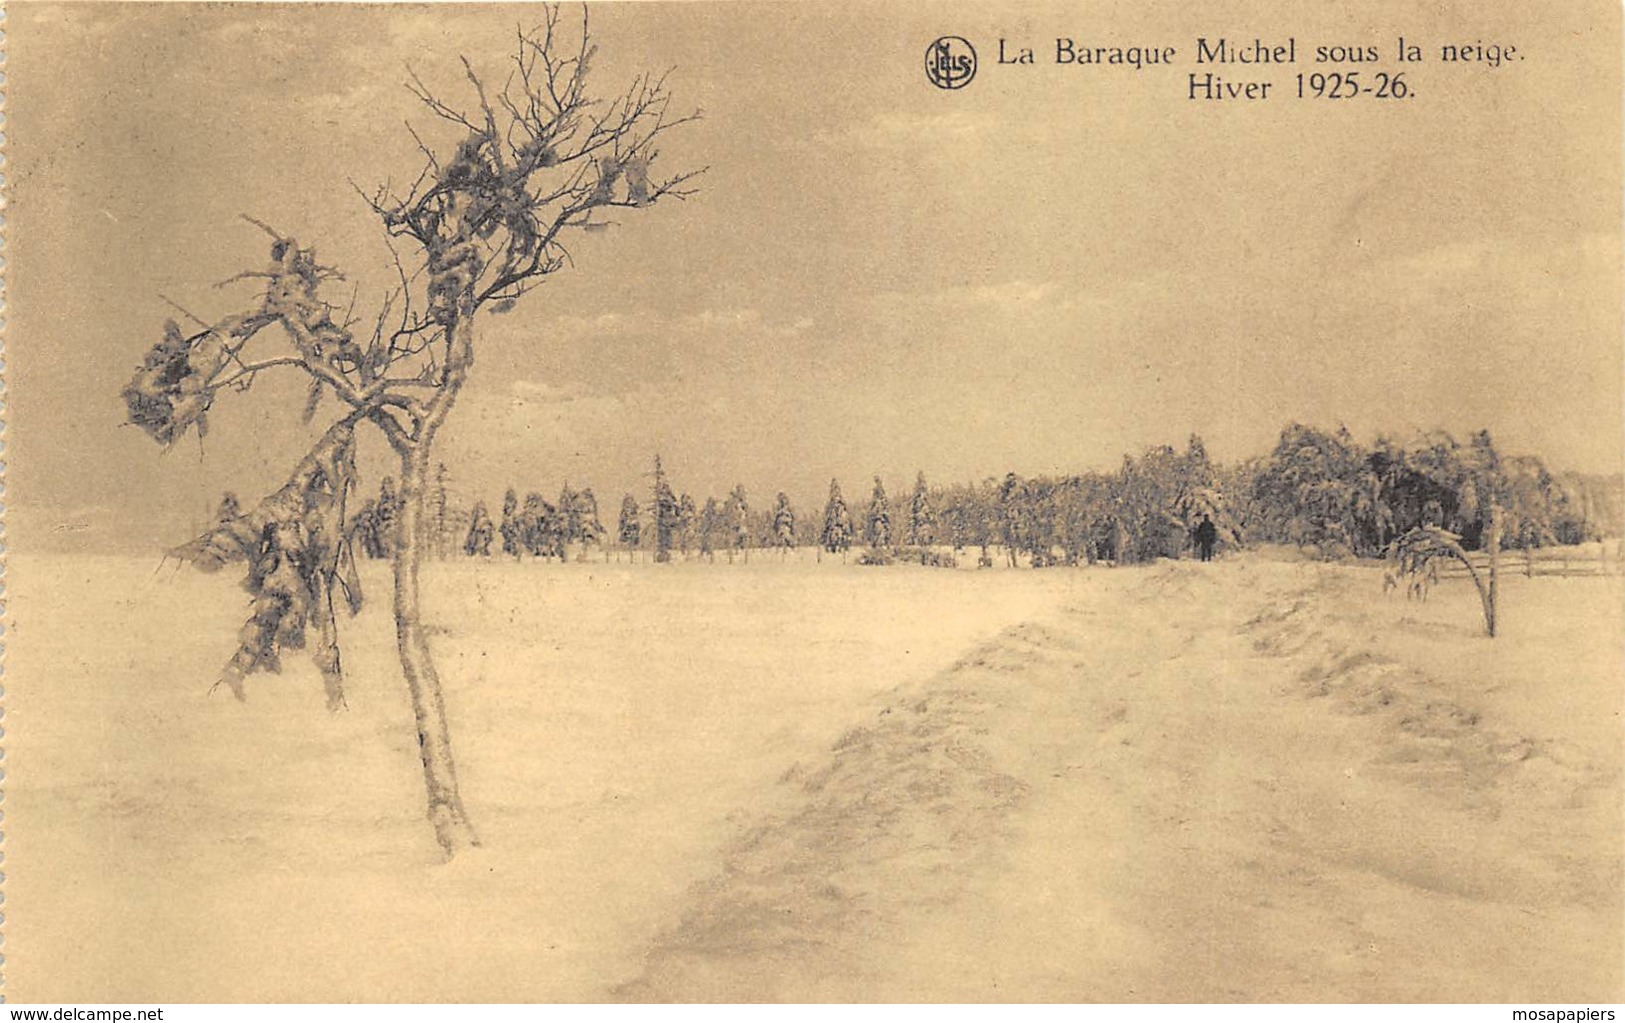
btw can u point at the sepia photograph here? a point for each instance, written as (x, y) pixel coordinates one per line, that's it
(814, 502)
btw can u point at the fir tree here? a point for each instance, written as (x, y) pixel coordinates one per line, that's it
(837, 535)
(1015, 516)
(569, 511)
(665, 514)
(387, 516)
(535, 524)
(737, 512)
(631, 531)
(922, 520)
(687, 521)
(364, 529)
(480, 533)
(784, 522)
(591, 529)
(710, 524)
(879, 530)
(512, 533)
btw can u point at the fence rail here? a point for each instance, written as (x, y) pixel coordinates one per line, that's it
(1592, 559)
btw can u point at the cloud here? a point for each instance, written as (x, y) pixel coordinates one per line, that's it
(708, 319)
(1018, 294)
(746, 321)
(1523, 284)
(569, 356)
(893, 129)
(997, 297)
(535, 392)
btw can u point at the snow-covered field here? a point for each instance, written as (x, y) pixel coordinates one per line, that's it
(1258, 779)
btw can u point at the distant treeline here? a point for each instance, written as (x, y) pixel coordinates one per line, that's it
(1319, 490)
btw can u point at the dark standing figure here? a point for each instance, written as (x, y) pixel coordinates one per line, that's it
(1206, 534)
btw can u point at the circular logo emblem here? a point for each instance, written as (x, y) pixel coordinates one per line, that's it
(950, 62)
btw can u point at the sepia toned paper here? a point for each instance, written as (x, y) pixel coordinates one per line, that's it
(721, 500)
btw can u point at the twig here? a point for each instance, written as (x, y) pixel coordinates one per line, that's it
(184, 312)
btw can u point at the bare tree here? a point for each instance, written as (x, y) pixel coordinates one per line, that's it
(485, 220)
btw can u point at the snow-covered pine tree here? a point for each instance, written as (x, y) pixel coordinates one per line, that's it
(592, 530)
(710, 526)
(512, 533)
(630, 532)
(569, 512)
(922, 520)
(737, 511)
(687, 522)
(666, 515)
(837, 534)
(878, 533)
(784, 522)
(480, 533)
(387, 514)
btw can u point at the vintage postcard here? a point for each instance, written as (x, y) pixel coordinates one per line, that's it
(813, 502)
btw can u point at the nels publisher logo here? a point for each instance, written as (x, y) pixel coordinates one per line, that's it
(950, 62)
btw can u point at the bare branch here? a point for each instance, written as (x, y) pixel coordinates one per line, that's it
(243, 276)
(539, 157)
(263, 226)
(248, 370)
(186, 313)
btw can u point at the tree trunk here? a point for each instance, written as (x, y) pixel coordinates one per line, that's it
(446, 814)
(1495, 557)
(326, 650)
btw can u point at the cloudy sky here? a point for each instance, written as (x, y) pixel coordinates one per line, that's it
(1039, 272)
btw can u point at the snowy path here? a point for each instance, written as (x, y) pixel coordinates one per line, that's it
(1196, 784)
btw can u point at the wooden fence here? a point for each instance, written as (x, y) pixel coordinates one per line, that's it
(1589, 559)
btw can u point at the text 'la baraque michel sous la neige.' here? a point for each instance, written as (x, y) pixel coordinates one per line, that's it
(1223, 51)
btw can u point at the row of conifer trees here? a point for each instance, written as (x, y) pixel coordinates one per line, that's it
(1317, 489)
